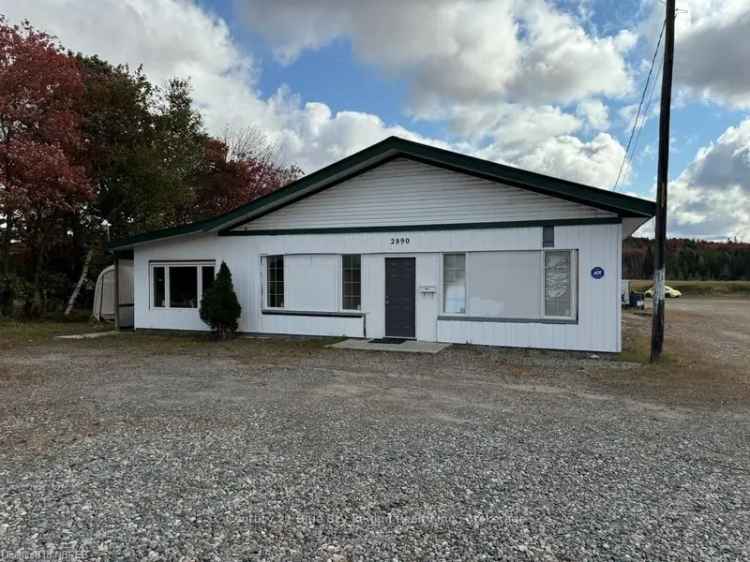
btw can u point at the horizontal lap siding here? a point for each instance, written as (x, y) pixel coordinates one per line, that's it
(404, 192)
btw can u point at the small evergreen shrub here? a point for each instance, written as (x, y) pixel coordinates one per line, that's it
(220, 308)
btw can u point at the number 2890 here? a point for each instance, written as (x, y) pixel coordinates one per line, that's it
(399, 241)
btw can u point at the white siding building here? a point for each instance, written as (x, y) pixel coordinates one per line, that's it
(405, 240)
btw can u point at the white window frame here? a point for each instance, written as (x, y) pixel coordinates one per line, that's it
(264, 292)
(443, 312)
(198, 264)
(341, 283)
(573, 284)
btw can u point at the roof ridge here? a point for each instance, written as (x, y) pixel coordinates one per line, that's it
(392, 146)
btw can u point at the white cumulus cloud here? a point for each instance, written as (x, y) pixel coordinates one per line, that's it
(485, 50)
(712, 48)
(711, 197)
(595, 112)
(457, 50)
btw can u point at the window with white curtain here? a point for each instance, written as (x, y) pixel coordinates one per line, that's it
(454, 283)
(505, 284)
(303, 282)
(559, 283)
(511, 284)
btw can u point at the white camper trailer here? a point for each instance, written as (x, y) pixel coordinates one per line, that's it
(104, 294)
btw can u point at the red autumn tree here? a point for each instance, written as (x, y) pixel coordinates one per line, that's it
(41, 179)
(235, 171)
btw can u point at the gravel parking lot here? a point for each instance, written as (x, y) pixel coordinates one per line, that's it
(175, 448)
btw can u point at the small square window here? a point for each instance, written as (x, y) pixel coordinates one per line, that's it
(548, 236)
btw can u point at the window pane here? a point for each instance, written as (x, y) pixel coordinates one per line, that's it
(454, 283)
(183, 286)
(207, 271)
(548, 236)
(505, 284)
(275, 281)
(159, 287)
(352, 282)
(557, 284)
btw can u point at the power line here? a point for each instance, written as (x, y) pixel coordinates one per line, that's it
(645, 114)
(640, 106)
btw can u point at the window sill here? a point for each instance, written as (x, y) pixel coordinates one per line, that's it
(340, 314)
(508, 320)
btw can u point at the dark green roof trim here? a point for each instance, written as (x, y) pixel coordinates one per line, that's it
(423, 227)
(159, 234)
(393, 147)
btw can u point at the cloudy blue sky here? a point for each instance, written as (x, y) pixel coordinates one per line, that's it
(550, 86)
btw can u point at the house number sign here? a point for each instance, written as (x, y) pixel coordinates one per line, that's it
(399, 241)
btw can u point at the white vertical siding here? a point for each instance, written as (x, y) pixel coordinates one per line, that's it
(373, 294)
(598, 300)
(428, 304)
(405, 192)
(597, 327)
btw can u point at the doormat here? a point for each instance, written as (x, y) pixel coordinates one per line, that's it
(388, 340)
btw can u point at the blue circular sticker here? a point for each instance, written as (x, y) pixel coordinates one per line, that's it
(597, 272)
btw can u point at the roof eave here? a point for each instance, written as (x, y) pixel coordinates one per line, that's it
(622, 205)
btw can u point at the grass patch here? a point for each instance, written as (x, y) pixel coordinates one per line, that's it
(17, 333)
(162, 342)
(636, 342)
(700, 288)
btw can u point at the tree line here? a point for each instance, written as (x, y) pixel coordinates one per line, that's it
(91, 150)
(688, 260)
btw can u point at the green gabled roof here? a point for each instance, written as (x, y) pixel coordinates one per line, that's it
(394, 147)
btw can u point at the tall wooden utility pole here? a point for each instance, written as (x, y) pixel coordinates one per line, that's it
(657, 329)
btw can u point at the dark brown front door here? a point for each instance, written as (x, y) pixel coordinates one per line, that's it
(400, 297)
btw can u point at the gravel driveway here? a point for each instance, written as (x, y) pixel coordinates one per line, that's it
(158, 448)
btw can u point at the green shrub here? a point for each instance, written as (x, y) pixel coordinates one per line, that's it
(220, 308)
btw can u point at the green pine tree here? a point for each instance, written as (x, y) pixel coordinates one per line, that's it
(220, 308)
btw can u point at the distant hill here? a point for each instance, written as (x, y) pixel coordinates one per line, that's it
(688, 259)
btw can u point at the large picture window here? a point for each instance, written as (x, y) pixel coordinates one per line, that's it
(454, 283)
(183, 286)
(351, 285)
(504, 284)
(275, 281)
(180, 285)
(559, 284)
